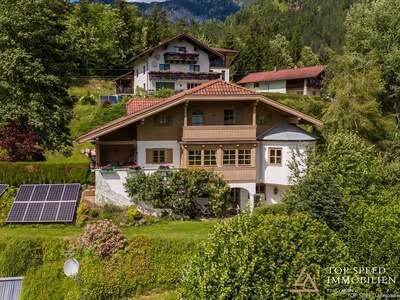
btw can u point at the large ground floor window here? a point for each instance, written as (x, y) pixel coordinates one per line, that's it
(165, 85)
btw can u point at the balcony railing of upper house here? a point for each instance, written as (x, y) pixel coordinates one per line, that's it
(124, 90)
(181, 57)
(219, 133)
(174, 75)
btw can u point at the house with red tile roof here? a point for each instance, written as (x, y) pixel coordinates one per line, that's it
(242, 135)
(179, 63)
(301, 81)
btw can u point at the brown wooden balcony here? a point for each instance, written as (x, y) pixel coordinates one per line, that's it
(219, 133)
(124, 90)
(238, 174)
(174, 75)
(181, 57)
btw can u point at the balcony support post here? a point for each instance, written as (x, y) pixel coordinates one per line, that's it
(254, 123)
(185, 116)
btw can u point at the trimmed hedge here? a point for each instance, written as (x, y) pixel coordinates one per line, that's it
(19, 173)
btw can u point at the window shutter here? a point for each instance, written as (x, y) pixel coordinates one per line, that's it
(149, 156)
(168, 158)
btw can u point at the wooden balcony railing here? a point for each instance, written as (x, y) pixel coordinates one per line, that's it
(124, 90)
(238, 173)
(181, 57)
(177, 75)
(219, 133)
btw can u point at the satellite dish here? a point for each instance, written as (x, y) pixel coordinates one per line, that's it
(71, 267)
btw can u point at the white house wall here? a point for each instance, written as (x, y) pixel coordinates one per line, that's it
(269, 87)
(280, 174)
(274, 193)
(143, 145)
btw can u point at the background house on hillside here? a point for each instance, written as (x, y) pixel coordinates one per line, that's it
(179, 63)
(301, 81)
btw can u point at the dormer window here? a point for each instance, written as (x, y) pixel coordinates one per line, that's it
(180, 49)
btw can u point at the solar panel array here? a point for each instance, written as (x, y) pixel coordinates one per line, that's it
(3, 188)
(45, 203)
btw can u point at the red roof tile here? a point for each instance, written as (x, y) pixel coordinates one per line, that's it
(137, 104)
(287, 74)
(220, 88)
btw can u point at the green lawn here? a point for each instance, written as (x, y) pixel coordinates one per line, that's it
(165, 229)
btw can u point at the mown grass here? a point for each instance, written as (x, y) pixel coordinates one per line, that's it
(195, 230)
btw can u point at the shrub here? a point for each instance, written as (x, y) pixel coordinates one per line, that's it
(93, 213)
(145, 264)
(374, 239)
(19, 173)
(261, 258)
(87, 100)
(132, 214)
(270, 209)
(49, 282)
(164, 93)
(113, 212)
(82, 213)
(103, 237)
(178, 190)
(6, 201)
(321, 197)
(345, 171)
(20, 255)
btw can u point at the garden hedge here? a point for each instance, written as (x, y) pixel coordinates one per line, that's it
(145, 264)
(19, 173)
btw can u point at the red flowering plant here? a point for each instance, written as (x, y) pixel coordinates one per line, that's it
(103, 237)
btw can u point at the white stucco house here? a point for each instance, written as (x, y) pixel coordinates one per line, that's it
(179, 63)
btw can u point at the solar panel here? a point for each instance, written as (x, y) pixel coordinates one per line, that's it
(3, 188)
(45, 203)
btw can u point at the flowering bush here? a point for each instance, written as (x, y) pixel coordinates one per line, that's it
(103, 237)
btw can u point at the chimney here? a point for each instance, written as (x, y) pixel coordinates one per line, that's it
(275, 69)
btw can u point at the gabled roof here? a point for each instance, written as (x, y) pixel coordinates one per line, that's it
(137, 104)
(286, 132)
(183, 35)
(223, 50)
(287, 74)
(216, 89)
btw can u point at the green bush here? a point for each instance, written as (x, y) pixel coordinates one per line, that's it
(178, 190)
(261, 257)
(145, 264)
(270, 209)
(374, 239)
(49, 282)
(6, 201)
(87, 100)
(17, 256)
(20, 255)
(19, 173)
(321, 197)
(132, 214)
(114, 213)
